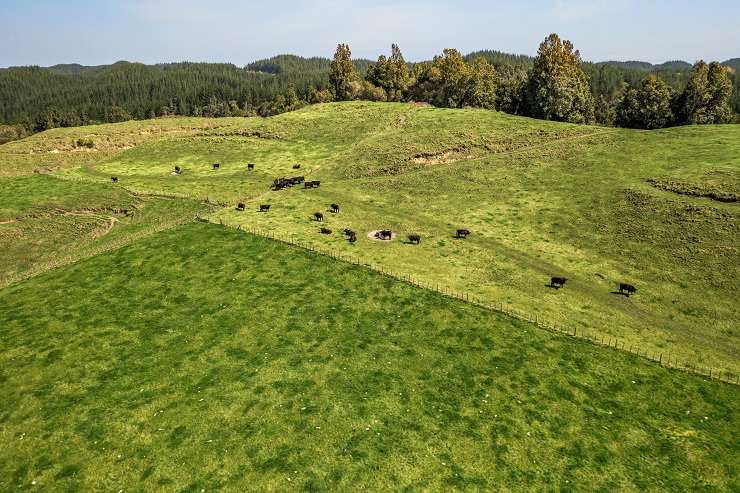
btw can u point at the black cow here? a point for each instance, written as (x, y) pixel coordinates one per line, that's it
(308, 184)
(318, 216)
(349, 232)
(352, 238)
(280, 183)
(296, 166)
(250, 165)
(627, 289)
(384, 234)
(415, 238)
(177, 170)
(316, 184)
(264, 207)
(240, 206)
(462, 233)
(335, 208)
(558, 282)
(325, 231)
(114, 179)
(216, 165)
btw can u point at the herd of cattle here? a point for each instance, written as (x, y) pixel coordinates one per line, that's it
(556, 282)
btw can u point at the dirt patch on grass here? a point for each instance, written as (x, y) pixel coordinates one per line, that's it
(9, 221)
(449, 156)
(105, 229)
(373, 235)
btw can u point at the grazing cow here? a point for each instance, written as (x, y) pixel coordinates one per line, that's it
(462, 233)
(177, 170)
(348, 232)
(627, 288)
(318, 216)
(216, 165)
(264, 207)
(308, 184)
(384, 234)
(352, 238)
(280, 183)
(240, 206)
(316, 184)
(558, 282)
(250, 166)
(114, 179)
(296, 166)
(415, 238)
(325, 231)
(335, 208)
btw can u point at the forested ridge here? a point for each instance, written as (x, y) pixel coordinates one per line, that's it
(608, 93)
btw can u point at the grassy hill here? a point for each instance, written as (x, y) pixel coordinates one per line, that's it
(599, 206)
(204, 358)
(147, 351)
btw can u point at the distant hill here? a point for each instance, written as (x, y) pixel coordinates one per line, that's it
(292, 64)
(73, 94)
(733, 63)
(649, 67)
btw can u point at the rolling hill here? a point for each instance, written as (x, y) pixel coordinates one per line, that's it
(599, 206)
(141, 349)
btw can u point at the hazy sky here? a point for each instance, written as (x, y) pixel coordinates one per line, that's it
(91, 32)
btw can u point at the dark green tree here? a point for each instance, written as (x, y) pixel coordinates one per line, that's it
(511, 91)
(342, 73)
(558, 87)
(480, 91)
(706, 98)
(646, 106)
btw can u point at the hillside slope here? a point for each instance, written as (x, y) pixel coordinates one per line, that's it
(205, 358)
(599, 206)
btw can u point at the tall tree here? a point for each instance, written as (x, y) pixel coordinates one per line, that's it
(342, 73)
(706, 98)
(391, 74)
(558, 87)
(646, 106)
(481, 84)
(450, 75)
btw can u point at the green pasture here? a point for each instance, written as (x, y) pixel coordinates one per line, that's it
(598, 206)
(206, 359)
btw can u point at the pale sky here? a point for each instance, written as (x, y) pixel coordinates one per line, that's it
(93, 32)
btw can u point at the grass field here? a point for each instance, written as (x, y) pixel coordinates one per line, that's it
(204, 358)
(45, 222)
(599, 206)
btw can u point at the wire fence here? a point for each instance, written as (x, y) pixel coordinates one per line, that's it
(664, 359)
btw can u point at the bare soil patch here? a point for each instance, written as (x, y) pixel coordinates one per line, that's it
(372, 235)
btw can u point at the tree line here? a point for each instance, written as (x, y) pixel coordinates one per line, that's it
(556, 85)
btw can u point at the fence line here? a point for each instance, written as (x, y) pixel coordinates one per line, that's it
(665, 360)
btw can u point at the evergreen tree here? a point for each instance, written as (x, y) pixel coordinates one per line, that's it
(647, 106)
(391, 74)
(342, 73)
(720, 91)
(511, 91)
(558, 87)
(481, 85)
(693, 102)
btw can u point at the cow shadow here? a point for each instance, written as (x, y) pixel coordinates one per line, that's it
(621, 293)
